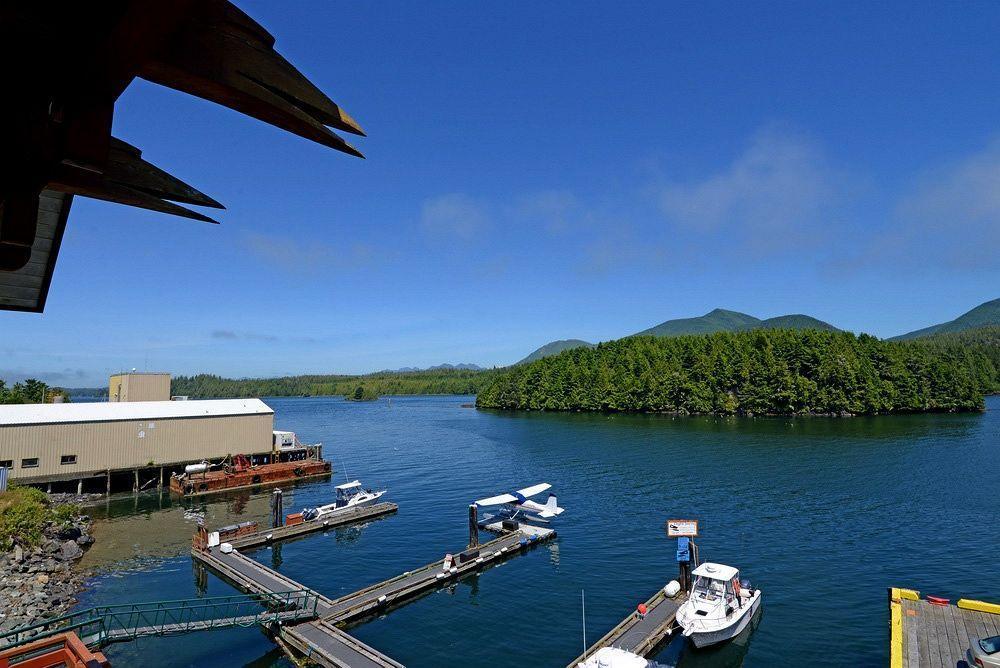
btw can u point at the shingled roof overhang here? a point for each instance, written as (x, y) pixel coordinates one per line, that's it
(66, 65)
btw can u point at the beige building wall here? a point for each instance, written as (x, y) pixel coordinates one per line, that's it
(139, 387)
(115, 445)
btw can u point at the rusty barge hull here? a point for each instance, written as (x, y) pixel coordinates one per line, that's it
(265, 474)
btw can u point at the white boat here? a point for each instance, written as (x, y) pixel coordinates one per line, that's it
(719, 605)
(613, 657)
(349, 495)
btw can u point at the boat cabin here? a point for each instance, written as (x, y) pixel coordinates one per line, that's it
(715, 582)
(347, 491)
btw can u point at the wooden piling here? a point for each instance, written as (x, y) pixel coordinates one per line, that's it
(473, 526)
(107, 486)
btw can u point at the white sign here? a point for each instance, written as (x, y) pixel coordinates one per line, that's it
(678, 528)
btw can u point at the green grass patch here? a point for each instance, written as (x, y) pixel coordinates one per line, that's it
(25, 512)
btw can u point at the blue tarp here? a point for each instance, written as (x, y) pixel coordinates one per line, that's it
(683, 549)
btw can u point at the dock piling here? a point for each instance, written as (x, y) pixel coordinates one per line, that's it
(473, 526)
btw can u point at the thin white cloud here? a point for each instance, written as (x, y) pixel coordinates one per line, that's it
(555, 209)
(780, 189)
(293, 256)
(952, 215)
(454, 216)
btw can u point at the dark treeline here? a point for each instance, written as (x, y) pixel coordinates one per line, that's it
(31, 391)
(760, 372)
(438, 381)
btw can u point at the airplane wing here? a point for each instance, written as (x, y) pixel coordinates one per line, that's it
(495, 500)
(534, 489)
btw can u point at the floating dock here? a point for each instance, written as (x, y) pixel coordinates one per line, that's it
(342, 518)
(926, 634)
(640, 635)
(390, 593)
(320, 640)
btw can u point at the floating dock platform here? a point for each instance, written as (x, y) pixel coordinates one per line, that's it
(932, 633)
(320, 640)
(264, 474)
(342, 518)
(638, 634)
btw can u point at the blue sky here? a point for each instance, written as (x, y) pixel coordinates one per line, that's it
(539, 171)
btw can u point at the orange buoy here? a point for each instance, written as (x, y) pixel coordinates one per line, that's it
(642, 609)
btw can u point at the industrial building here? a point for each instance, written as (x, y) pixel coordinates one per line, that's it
(139, 387)
(126, 444)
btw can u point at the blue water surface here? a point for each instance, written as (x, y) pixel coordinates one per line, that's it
(821, 513)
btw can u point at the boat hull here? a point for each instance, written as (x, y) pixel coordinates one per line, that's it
(708, 638)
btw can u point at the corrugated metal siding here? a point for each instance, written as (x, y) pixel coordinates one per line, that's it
(139, 387)
(100, 446)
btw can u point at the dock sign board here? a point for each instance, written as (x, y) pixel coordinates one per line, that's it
(679, 528)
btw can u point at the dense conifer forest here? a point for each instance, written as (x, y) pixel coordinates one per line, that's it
(759, 372)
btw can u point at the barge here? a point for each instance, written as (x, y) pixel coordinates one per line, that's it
(297, 462)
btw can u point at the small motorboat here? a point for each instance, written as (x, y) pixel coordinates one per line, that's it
(613, 657)
(719, 606)
(349, 495)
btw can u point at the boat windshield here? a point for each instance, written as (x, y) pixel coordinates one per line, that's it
(990, 645)
(708, 589)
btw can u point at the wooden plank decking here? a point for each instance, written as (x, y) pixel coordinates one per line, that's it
(340, 519)
(320, 640)
(934, 636)
(640, 635)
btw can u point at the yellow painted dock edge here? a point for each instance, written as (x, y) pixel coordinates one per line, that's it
(981, 606)
(895, 628)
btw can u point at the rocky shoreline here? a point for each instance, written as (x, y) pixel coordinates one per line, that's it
(42, 582)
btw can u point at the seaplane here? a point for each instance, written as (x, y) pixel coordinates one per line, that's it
(519, 507)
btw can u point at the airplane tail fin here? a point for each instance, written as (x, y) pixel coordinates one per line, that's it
(551, 507)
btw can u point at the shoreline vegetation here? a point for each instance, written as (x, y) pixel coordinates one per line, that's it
(372, 386)
(40, 543)
(759, 372)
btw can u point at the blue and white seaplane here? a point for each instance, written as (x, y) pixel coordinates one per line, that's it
(518, 507)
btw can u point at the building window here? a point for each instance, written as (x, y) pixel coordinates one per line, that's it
(29, 463)
(68, 459)
(6, 463)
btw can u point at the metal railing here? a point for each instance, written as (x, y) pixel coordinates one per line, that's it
(100, 626)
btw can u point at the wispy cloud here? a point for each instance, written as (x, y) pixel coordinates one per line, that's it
(953, 213)
(778, 192)
(68, 377)
(231, 335)
(309, 257)
(455, 216)
(947, 220)
(554, 209)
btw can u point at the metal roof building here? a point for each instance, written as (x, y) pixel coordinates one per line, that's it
(52, 442)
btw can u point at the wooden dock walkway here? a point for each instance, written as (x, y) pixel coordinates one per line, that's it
(928, 635)
(343, 518)
(395, 591)
(640, 635)
(323, 643)
(320, 640)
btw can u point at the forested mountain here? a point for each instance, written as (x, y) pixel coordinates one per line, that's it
(756, 372)
(555, 348)
(794, 321)
(984, 315)
(719, 320)
(441, 381)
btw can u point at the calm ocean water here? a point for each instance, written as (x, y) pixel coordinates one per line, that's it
(822, 514)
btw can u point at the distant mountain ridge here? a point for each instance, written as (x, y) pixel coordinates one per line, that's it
(717, 320)
(984, 315)
(463, 366)
(554, 348)
(721, 320)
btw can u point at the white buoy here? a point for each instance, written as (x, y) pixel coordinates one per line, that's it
(225, 548)
(672, 589)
